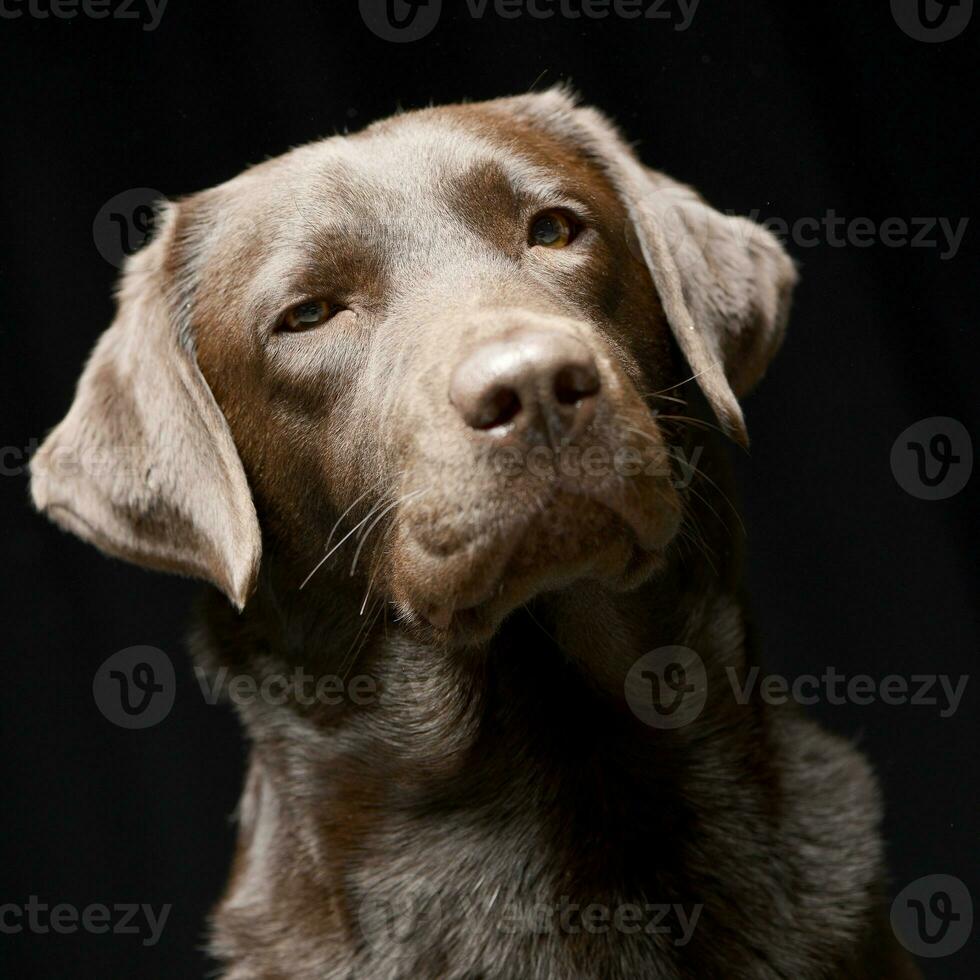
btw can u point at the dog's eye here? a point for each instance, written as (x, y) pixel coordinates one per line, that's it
(306, 315)
(553, 229)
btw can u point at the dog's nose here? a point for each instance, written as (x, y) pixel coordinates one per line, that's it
(544, 382)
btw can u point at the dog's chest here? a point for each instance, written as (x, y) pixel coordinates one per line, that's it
(505, 891)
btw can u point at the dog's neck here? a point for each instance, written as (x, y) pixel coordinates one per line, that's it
(556, 667)
(408, 736)
(461, 790)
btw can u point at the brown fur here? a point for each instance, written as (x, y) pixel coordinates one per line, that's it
(497, 768)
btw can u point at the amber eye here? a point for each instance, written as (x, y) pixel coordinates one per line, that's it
(552, 229)
(306, 315)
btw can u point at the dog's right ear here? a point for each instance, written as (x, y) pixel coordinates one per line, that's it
(144, 465)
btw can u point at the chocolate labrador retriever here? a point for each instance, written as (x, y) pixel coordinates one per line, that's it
(444, 407)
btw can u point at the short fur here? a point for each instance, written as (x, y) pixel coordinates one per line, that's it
(497, 784)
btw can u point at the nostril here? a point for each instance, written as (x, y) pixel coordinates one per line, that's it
(575, 383)
(498, 407)
(527, 385)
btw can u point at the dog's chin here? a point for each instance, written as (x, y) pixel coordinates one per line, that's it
(460, 598)
(621, 566)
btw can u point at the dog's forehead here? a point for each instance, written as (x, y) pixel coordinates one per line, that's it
(426, 165)
(416, 155)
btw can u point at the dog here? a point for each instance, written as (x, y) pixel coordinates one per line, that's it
(446, 406)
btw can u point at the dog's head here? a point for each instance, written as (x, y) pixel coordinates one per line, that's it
(431, 350)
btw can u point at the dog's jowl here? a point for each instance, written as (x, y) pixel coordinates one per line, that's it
(448, 404)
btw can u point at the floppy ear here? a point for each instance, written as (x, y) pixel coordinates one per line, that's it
(725, 283)
(144, 466)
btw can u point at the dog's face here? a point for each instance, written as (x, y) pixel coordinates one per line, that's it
(446, 333)
(441, 316)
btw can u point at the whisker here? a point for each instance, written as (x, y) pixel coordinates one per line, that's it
(649, 438)
(668, 398)
(692, 421)
(374, 523)
(679, 383)
(724, 496)
(704, 500)
(360, 639)
(333, 530)
(352, 531)
(699, 472)
(692, 534)
(374, 574)
(367, 591)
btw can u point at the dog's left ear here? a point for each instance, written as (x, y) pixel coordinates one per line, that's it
(144, 465)
(725, 283)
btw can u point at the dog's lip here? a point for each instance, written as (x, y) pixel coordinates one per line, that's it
(647, 536)
(474, 619)
(618, 501)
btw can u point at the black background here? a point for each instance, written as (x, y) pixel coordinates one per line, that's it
(785, 108)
